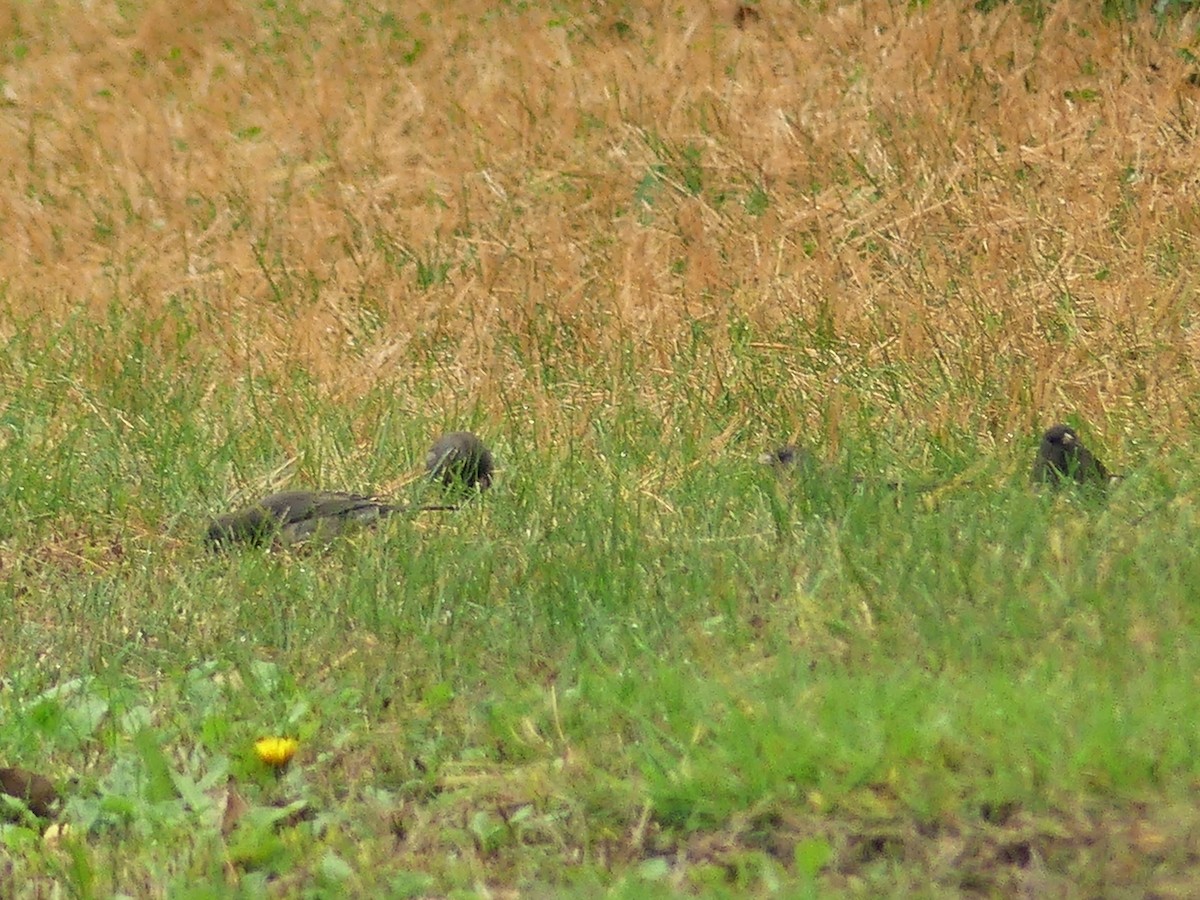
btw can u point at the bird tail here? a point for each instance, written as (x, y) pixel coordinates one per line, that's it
(393, 509)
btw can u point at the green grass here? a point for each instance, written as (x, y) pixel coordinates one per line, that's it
(633, 248)
(637, 665)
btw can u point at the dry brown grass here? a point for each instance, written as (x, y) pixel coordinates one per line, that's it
(1004, 210)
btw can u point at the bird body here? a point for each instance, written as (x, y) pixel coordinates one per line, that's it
(786, 457)
(793, 459)
(1063, 458)
(292, 516)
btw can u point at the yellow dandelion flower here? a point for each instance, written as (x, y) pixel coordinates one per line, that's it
(276, 752)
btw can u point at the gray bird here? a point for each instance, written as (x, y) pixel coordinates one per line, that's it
(1062, 458)
(460, 461)
(786, 456)
(293, 516)
(790, 458)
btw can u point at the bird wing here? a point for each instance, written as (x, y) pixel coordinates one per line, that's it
(291, 507)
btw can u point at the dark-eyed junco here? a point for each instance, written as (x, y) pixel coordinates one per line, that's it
(292, 516)
(790, 458)
(460, 460)
(787, 456)
(1062, 458)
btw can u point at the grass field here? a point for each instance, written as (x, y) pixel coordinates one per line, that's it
(249, 246)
